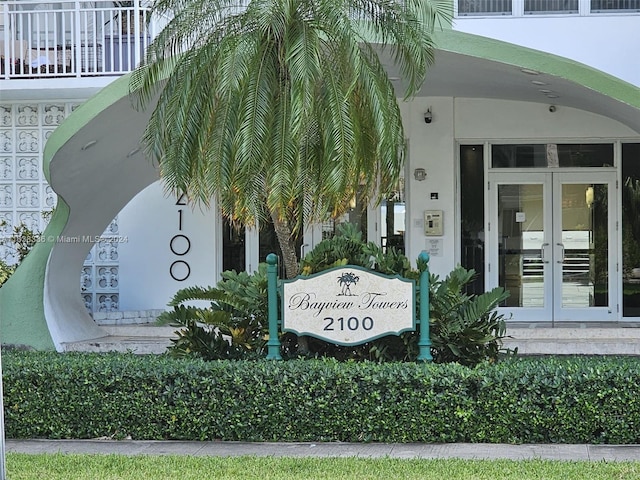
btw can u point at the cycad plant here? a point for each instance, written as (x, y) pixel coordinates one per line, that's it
(464, 328)
(282, 109)
(234, 324)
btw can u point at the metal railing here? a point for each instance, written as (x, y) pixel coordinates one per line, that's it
(538, 7)
(484, 7)
(72, 38)
(544, 7)
(598, 6)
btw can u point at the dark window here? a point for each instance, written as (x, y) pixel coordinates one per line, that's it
(631, 229)
(233, 251)
(472, 213)
(552, 155)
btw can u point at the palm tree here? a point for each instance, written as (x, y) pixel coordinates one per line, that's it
(346, 280)
(282, 110)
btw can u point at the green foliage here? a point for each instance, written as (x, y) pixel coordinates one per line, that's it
(5, 271)
(21, 240)
(234, 325)
(517, 400)
(346, 247)
(464, 328)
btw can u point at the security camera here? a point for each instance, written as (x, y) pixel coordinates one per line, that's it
(552, 108)
(428, 116)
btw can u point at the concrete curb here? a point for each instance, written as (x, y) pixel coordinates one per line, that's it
(334, 449)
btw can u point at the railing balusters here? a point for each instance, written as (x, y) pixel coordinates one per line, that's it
(539, 7)
(70, 38)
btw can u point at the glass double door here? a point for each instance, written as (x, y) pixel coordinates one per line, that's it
(552, 240)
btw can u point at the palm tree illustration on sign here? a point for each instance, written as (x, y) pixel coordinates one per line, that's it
(345, 281)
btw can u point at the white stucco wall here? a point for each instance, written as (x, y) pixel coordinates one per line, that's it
(148, 224)
(607, 42)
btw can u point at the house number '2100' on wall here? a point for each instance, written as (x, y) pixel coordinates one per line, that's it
(180, 244)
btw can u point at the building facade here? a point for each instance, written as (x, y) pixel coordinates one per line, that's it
(524, 164)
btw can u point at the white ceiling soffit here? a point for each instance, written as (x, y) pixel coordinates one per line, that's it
(477, 67)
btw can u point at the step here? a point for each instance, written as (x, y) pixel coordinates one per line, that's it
(138, 330)
(138, 339)
(532, 339)
(581, 339)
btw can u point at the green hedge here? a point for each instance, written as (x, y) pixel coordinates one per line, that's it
(549, 400)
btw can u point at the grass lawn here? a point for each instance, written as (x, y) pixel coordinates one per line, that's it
(112, 467)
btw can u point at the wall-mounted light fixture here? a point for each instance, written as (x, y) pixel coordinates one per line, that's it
(589, 196)
(89, 144)
(420, 174)
(428, 116)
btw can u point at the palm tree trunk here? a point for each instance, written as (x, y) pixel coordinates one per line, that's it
(287, 246)
(290, 260)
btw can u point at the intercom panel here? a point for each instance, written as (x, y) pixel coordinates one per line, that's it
(433, 223)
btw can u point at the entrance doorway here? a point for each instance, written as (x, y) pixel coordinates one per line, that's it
(552, 244)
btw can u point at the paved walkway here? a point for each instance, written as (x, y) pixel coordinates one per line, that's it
(364, 450)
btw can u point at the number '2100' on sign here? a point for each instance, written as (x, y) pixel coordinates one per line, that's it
(348, 305)
(351, 323)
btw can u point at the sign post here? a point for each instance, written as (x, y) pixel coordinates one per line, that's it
(424, 342)
(273, 344)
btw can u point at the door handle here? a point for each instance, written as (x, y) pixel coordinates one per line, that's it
(561, 251)
(542, 251)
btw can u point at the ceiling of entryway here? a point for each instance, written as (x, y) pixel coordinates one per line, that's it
(477, 67)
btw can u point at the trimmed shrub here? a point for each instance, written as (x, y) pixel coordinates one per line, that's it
(550, 400)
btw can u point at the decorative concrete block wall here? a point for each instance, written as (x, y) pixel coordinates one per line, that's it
(25, 196)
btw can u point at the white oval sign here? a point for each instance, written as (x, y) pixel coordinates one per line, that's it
(348, 305)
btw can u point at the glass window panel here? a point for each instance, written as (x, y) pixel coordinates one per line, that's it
(631, 229)
(521, 237)
(518, 156)
(472, 214)
(552, 155)
(585, 245)
(233, 247)
(393, 213)
(586, 155)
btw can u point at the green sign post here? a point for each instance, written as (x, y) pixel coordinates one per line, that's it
(347, 305)
(273, 344)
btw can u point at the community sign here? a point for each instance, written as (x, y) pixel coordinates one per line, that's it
(348, 305)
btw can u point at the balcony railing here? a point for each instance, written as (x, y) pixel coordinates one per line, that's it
(484, 7)
(72, 38)
(538, 7)
(544, 7)
(615, 5)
